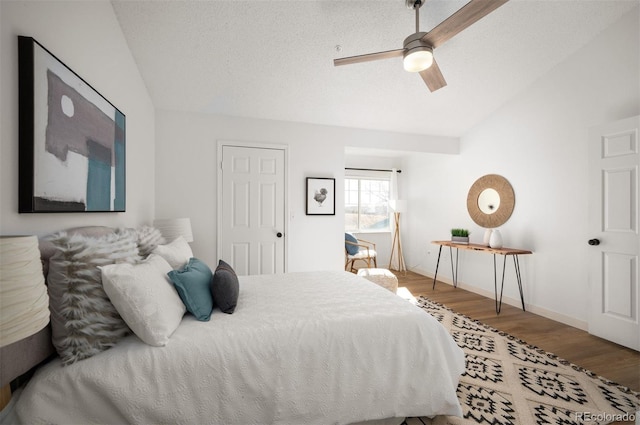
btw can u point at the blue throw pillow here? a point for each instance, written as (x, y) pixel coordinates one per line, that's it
(193, 283)
(351, 249)
(225, 287)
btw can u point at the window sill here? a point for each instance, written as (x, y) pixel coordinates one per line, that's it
(369, 232)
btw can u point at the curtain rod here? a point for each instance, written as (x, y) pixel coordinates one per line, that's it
(371, 169)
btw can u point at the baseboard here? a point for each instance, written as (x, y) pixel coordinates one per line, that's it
(567, 320)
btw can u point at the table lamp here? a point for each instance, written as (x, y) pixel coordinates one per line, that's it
(24, 302)
(171, 228)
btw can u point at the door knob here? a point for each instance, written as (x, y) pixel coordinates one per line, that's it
(594, 242)
(279, 234)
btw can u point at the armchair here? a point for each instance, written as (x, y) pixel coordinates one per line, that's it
(358, 249)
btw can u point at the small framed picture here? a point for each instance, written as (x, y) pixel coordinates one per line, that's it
(321, 196)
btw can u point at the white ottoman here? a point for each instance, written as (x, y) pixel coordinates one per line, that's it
(382, 277)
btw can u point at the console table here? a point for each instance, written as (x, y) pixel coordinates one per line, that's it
(483, 248)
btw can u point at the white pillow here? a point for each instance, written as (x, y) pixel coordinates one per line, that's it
(145, 298)
(177, 253)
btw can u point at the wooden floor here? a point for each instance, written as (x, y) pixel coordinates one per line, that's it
(612, 361)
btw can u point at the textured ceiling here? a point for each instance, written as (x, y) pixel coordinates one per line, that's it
(274, 59)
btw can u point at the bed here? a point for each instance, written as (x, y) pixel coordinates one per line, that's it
(300, 348)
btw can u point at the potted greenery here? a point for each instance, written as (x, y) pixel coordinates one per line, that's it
(460, 235)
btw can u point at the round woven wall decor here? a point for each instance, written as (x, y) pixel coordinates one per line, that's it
(506, 204)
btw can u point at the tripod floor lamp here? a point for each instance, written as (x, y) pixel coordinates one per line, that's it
(397, 207)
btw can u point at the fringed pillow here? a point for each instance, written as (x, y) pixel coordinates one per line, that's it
(83, 319)
(148, 239)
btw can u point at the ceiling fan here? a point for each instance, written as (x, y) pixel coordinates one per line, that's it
(417, 49)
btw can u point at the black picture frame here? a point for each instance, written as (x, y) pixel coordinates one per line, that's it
(72, 140)
(321, 196)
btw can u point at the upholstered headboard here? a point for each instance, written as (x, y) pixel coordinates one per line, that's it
(19, 357)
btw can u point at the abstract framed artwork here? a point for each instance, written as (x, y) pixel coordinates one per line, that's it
(321, 196)
(71, 139)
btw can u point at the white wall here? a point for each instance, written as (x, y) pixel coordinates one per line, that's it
(538, 141)
(186, 176)
(86, 36)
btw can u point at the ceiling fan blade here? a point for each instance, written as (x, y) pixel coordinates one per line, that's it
(460, 20)
(368, 57)
(433, 77)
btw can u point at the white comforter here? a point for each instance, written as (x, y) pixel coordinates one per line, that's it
(301, 348)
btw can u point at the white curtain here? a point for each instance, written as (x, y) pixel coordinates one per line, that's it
(393, 188)
(393, 196)
(396, 262)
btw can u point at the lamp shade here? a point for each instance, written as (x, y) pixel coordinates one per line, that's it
(398, 206)
(171, 228)
(24, 302)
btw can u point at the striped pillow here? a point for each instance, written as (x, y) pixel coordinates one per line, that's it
(148, 239)
(84, 321)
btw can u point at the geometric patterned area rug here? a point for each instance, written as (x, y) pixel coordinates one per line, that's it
(507, 381)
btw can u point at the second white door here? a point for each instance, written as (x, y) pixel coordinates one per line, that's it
(614, 237)
(252, 221)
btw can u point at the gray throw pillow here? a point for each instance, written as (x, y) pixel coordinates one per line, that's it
(225, 288)
(84, 321)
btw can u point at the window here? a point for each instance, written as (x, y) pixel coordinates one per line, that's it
(366, 204)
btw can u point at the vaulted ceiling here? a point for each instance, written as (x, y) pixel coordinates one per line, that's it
(274, 59)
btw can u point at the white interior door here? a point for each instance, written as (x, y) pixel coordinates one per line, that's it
(614, 241)
(252, 209)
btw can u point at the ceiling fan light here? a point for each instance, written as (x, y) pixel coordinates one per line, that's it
(418, 59)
